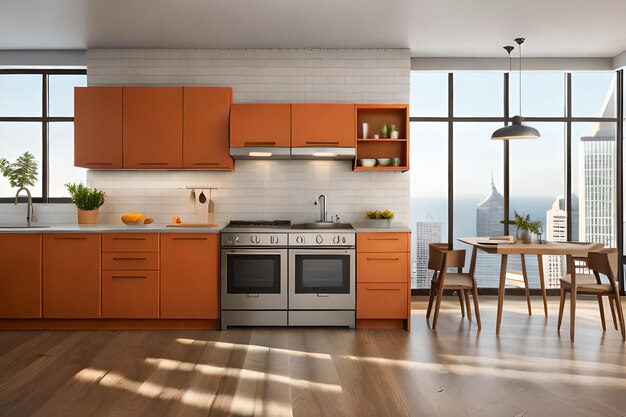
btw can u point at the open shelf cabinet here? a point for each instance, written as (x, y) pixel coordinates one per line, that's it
(377, 115)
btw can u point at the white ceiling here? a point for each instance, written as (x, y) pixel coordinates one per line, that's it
(433, 28)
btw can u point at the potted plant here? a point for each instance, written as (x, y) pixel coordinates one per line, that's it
(384, 132)
(393, 132)
(525, 227)
(379, 219)
(87, 201)
(22, 172)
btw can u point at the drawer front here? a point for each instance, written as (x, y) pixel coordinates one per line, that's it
(130, 294)
(382, 242)
(130, 242)
(381, 301)
(119, 261)
(382, 267)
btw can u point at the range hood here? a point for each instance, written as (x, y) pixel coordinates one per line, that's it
(265, 153)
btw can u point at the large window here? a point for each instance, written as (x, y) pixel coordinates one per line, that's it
(37, 115)
(567, 179)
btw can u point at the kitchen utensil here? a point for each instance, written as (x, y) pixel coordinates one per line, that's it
(202, 197)
(192, 196)
(383, 162)
(211, 211)
(366, 162)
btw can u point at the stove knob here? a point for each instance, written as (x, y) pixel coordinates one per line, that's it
(237, 239)
(254, 239)
(336, 239)
(343, 239)
(299, 239)
(274, 240)
(229, 240)
(319, 239)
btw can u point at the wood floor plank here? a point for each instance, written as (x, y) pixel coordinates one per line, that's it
(299, 372)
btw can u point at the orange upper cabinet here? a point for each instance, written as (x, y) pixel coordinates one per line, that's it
(189, 276)
(98, 127)
(20, 276)
(206, 113)
(71, 275)
(323, 125)
(153, 127)
(260, 125)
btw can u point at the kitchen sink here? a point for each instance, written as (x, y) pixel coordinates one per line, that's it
(322, 225)
(14, 226)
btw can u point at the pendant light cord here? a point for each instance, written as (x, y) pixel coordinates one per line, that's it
(520, 79)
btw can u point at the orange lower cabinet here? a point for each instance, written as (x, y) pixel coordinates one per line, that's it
(189, 276)
(381, 301)
(71, 276)
(130, 294)
(383, 267)
(20, 276)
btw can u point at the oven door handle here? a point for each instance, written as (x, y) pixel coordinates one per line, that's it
(253, 295)
(255, 252)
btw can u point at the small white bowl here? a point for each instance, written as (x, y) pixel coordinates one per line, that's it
(383, 162)
(366, 162)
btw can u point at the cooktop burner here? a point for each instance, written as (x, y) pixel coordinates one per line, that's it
(278, 224)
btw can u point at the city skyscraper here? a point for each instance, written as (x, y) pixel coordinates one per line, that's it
(489, 214)
(597, 180)
(556, 231)
(425, 233)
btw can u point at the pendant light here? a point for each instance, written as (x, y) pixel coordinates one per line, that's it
(517, 130)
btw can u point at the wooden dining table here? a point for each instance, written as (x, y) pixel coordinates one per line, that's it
(571, 250)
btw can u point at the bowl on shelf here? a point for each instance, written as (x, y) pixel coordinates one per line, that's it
(367, 162)
(383, 162)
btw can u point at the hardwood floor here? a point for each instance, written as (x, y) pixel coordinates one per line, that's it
(457, 371)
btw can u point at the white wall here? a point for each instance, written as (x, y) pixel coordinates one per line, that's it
(257, 189)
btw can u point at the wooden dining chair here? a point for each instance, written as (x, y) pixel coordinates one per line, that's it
(441, 259)
(601, 262)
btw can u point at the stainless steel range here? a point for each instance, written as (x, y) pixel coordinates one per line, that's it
(275, 274)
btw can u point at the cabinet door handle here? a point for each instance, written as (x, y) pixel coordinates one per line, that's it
(322, 142)
(383, 259)
(70, 238)
(382, 289)
(99, 163)
(259, 143)
(152, 163)
(189, 238)
(129, 276)
(129, 238)
(383, 238)
(205, 163)
(253, 295)
(129, 259)
(322, 295)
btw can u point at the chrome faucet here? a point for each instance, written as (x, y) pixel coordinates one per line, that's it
(321, 201)
(29, 207)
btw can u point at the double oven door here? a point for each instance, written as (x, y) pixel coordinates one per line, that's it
(254, 279)
(321, 279)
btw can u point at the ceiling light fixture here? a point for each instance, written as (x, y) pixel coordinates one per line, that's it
(517, 130)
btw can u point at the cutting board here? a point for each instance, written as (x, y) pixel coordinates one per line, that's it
(193, 225)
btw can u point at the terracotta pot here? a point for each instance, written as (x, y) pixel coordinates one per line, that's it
(87, 216)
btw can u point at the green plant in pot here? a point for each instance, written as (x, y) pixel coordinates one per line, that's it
(526, 227)
(384, 132)
(87, 201)
(393, 132)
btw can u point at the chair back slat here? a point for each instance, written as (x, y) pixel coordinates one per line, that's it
(436, 252)
(605, 262)
(455, 258)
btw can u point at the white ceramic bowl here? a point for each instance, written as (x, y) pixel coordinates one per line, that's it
(366, 162)
(383, 162)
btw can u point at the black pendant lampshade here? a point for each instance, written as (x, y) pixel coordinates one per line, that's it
(517, 130)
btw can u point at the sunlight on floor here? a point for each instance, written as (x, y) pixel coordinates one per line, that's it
(254, 348)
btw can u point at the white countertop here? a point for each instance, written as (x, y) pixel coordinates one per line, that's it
(161, 228)
(110, 228)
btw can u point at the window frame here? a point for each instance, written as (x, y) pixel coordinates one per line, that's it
(44, 120)
(506, 118)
